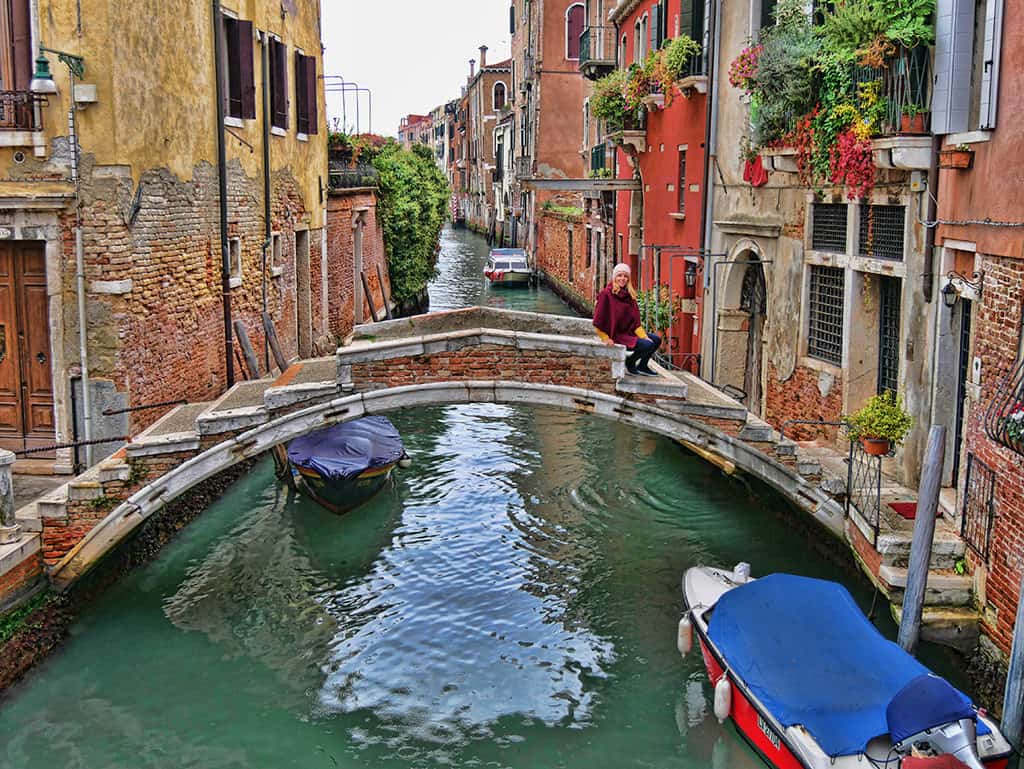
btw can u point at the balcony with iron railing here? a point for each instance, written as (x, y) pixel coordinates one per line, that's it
(597, 52)
(903, 88)
(18, 111)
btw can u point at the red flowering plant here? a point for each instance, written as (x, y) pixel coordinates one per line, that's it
(851, 164)
(743, 69)
(637, 86)
(801, 138)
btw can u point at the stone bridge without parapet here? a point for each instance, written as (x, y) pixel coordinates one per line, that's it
(477, 355)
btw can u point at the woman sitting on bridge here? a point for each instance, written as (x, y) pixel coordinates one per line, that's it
(617, 321)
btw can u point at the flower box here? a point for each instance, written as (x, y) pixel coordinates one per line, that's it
(961, 159)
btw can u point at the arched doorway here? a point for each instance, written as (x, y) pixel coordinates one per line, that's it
(754, 302)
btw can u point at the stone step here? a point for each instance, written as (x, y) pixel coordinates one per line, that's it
(945, 586)
(29, 519)
(658, 387)
(54, 504)
(756, 431)
(894, 547)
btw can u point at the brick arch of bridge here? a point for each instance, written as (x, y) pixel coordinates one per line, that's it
(182, 476)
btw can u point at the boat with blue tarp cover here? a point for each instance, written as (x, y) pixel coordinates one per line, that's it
(341, 467)
(810, 683)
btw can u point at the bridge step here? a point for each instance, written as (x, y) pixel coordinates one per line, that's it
(240, 408)
(29, 518)
(661, 387)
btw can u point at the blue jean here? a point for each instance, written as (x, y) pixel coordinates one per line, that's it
(641, 353)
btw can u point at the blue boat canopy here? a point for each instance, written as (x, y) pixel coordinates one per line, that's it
(808, 653)
(346, 450)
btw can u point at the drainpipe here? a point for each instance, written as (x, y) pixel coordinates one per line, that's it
(83, 332)
(222, 178)
(928, 279)
(710, 150)
(265, 65)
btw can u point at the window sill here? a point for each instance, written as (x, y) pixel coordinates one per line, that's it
(824, 367)
(278, 131)
(234, 122)
(679, 216)
(302, 137)
(234, 282)
(276, 271)
(967, 137)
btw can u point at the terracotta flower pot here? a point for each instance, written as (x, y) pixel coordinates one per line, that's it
(876, 447)
(912, 124)
(961, 159)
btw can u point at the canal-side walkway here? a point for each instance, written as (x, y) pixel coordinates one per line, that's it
(465, 356)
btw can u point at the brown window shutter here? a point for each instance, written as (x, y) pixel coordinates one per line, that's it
(21, 39)
(301, 116)
(280, 84)
(312, 103)
(245, 70)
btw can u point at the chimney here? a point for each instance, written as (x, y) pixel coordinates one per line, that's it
(472, 68)
(483, 56)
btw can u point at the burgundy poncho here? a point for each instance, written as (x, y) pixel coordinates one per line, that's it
(617, 315)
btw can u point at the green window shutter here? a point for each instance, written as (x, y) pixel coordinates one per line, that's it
(686, 17)
(655, 27)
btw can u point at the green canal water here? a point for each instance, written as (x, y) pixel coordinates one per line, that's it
(510, 600)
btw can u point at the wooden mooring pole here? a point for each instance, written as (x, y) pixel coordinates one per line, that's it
(1013, 700)
(924, 536)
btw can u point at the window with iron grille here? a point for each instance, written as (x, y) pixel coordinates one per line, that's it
(828, 227)
(825, 331)
(881, 231)
(889, 293)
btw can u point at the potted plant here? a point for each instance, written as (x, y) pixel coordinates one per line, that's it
(880, 424)
(912, 119)
(961, 156)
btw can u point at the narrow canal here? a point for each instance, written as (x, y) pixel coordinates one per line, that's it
(508, 601)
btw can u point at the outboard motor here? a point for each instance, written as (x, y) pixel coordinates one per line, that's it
(928, 711)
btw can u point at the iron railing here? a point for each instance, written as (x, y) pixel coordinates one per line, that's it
(597, 50)
(18, 111)
(864, 487)
(349, 177)
(905, 87)
(979, 507)
(1004, 419)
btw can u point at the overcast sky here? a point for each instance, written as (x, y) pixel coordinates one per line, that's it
(413, 55)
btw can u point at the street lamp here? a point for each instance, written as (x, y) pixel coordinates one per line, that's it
(956, 283)
(42, 81)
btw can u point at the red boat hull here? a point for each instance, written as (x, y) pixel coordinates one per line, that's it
(758, 732)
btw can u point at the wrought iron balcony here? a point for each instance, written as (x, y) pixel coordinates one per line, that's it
(18, 111)
(1004, 420)
(597, 52)
(345, 177)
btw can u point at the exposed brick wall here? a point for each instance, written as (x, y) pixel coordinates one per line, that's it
(164, 339)
(21, 577)
(553, 257)
(799, 398)
(341, 254)
(487, 362)
(997, 336)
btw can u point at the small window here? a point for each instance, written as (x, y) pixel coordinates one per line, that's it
(590, 246)
(277, 258)
(828, 227)
(237, 78)
(575, 18)
(825, 330)
(570, 255)
(235, 260)
(279, 84)
(682, 182)
(306, 112)
(499, 96)
(882, 231)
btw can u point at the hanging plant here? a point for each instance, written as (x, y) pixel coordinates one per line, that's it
(853, 165)
(608, 101)
(743, 69)
(678, 54)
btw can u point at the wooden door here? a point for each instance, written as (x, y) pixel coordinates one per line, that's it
(26, 380)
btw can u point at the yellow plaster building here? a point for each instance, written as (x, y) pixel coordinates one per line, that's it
(126, 232)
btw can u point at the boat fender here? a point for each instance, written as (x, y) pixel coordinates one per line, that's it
(684, 638)
(723, 698)
(405, 462)
(741, 573)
